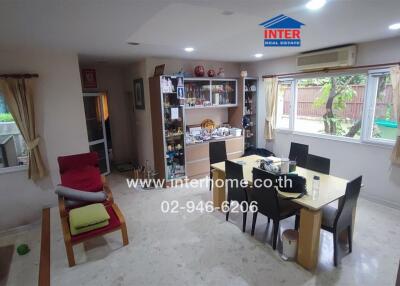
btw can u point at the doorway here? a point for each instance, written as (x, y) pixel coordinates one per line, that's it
(98, 127)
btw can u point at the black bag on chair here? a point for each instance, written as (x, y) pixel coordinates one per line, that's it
(293, 183)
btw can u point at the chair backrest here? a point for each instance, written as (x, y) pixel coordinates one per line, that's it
(234, 176)
(299, 153)
(345, 211)
(77, 161)
(217, 152)
(318, 164)
(265, 193)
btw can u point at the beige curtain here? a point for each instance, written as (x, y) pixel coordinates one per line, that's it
(271, 95)
(395, 78)
(19, 98)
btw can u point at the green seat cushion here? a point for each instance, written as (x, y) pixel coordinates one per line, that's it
(75, 231)
(87, 216)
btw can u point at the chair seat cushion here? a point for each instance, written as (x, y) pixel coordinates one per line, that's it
(87, 216)
(75, 231)
(328, 216)
(113, 224)
(87, 179)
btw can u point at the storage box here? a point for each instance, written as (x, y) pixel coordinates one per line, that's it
(235, 131)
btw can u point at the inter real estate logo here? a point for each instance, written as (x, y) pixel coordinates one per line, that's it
(282, 31)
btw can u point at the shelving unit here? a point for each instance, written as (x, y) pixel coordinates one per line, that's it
(167, 108)
(197, 93)
(170, 97)
(250, 90)
(210, 92)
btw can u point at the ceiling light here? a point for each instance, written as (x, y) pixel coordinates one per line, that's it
(395, 26)
(258, 55)
(315, 4)
(189, 49)
(133, 43)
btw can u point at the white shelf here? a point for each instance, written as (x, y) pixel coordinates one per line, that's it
(211, 106)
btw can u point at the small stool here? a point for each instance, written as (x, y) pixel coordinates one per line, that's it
(289, 244)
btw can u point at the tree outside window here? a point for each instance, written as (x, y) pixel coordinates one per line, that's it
(331, 105)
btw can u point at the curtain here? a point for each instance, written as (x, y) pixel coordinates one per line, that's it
(271, 95)
(395, 78)
(19, 99)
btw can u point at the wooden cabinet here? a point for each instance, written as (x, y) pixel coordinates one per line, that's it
(198, 160)
(169, 97)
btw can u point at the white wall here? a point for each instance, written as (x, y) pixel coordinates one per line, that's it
(110, 78)
(348, 160)
(60, 123)
(145, 69)
(142, 139)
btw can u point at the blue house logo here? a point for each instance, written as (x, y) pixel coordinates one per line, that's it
(282, 31)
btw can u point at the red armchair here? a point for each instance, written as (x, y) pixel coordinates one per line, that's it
(81, 172)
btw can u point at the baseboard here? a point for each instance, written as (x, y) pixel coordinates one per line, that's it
(380, 201)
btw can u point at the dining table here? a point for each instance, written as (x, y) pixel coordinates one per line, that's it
(331, 189)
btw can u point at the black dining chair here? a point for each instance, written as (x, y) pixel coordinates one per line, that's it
(217, 153)
(299, 153)
(337, 220)
(236, 191)
(268, 203)
(318, 164)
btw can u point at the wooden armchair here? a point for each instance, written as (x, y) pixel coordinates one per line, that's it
(116, 221)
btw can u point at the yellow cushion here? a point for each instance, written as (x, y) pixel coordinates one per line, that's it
(87, 216)
(75, 231)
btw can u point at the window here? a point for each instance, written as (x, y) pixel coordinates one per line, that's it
(13, 150)
(331, 105)
(285, 91)
(353, 106)
(383, 125)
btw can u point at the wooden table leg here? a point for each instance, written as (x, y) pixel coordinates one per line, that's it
(218, 192)
(308, 247)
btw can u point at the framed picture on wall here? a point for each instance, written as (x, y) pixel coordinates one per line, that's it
(89, 79)
(138, 93)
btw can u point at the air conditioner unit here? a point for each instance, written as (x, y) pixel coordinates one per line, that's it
(331, 58)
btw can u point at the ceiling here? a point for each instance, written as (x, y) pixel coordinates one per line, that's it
(100, 29)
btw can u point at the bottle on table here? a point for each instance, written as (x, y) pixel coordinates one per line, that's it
(315, 187)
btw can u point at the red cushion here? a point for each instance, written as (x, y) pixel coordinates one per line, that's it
(85, 179)
(113, 224)
(78, 161)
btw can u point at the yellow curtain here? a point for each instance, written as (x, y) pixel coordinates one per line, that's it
(395, 78)
(271, 95)
(19, 99)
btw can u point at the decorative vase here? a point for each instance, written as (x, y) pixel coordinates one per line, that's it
(243, 73)
(211, 73)
(199, 71)
(221, 72)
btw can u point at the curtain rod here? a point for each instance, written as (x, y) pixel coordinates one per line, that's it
(22, 75)
(330, 69)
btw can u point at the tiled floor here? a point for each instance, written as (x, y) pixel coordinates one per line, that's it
(24, 270)
(203, 249)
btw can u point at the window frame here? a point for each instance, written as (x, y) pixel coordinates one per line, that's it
(370, 106)
(291, 109)
(367, 116)
(17, 168)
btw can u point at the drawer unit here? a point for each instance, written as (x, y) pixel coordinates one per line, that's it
(196, 168)
(198, 160)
